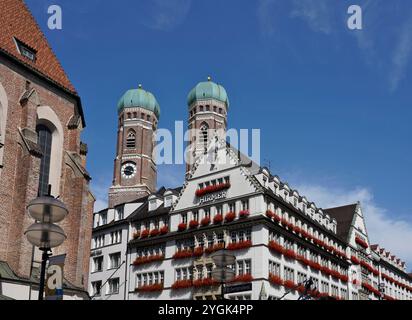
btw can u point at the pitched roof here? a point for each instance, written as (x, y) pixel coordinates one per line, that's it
(16, 22)
(344, 217)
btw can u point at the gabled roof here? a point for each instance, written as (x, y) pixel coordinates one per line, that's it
(344, 217)
(16, 22)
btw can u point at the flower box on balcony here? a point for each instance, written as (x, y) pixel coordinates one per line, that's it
(239, 245)
(164, 230)
(207, 282)
(218, 219)
(297, 230)
(198, 252)
(275, 280)
(148, 259)
(361, 242)
(290, 284)
(303, 260)
(182, 227)
(276, 247)
(212, 189)
(304, 234)
(144, 234)
(154, 233)
(215, 248)
(344, 278)
(355, 260)
(193, 224)
(269, 214)
(205, 221)
(326, 271)
(243, 278)
(182, 284)
(230, 216)
(183, 254)
(335, 274)
(288, 253)
(244, 214)
(315, 265)
(151, 288)
(276, 218)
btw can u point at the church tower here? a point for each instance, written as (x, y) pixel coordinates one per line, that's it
(208, 105)
(135, 171)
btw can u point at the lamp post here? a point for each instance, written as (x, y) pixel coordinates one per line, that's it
(222, 273)
(44, 233)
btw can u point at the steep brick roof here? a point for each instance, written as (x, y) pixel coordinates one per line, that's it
(16, 22)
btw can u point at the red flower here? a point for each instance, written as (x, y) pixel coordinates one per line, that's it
(244, 214)
(284, 222)
(243, 278)
(290, 284)
(151, 288)
(230, 216)
(144, 234)
(289, 254)
(355, 260)
(182, 227)
(218, 219)
(326, 270)
(207, 282)
(205, 221)
(193, 224)
(297, 230)
(276, 218)
(276, 280)
(214, 248)
(361, 242)
(164, 230)
(183, 254)
(302, 259)
(154, 232)
(315, 265)
(198, 252)
(269, 214)
(239, 245)
(211, 189)
(344, 278)
(304, 234)
(148, 259)
(274, 246)
(136, 235)
(182, 284)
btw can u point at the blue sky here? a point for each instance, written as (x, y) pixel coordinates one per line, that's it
(333, 105)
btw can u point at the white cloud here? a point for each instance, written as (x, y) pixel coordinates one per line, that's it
(391, 233)
(163, 14)
(402, 55)
(315, 12)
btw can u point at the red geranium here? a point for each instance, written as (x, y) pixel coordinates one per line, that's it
(148, 259)
(276, 218)
(274, 246)
(269, 214)
(183, 254)
(344, 278)
(218, 219)
(207, 282)
(182, 284)
(244, 214)
(154, 232)
(289, 253)
(239, 245)
(290, 284)
(182, 227)
(205, 221)
(144, 234)
(214, 248)
(151, 288)
(193, 224)
(297, 230)
(354, 260)
(276, 280)
(361, 242)
(230, 216)
(212, 188)
(198, 252)
(164, 230)
(136, 235)
(243, 278)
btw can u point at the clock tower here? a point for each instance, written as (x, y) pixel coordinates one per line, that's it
(134, 166)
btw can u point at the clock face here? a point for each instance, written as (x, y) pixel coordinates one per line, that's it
(128, 170)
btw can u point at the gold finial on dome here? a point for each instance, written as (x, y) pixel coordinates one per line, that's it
(140, 86)
(209, 78)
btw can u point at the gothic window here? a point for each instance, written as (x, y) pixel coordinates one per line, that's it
(131, 139)
(45, 142)
(204, 134)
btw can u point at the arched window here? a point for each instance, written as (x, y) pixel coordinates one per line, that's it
(44, 135)
(204, 134)
(131, 139)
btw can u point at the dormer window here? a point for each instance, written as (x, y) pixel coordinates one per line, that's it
(25, 50)
(152, 205)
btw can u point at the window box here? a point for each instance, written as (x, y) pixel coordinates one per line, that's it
(344, 278)
(355, 260)
(290, 285)
(145, 234)
(288, 253)
(164, 230)
(198, 252)
(136, 235)
(276, 218)
(205, 221)
(270, 214)
(151, 288)
(218, 219)
(183, 254)
(243, 278)
(230, 216)
(182, 284)
(182, 227)
(361, 242)
(244, 214)
(207, 282)
(148, 259)
(193, 224)
(297, 229)
(154, 233)
(276, 247)
(212, 189)
(239, 245)
(216, 247)
(275, 280)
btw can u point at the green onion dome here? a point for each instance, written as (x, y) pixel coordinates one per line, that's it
(139, 98)
(206, 91)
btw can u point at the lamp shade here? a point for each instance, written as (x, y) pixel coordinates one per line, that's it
(45, 235)
(47, 209)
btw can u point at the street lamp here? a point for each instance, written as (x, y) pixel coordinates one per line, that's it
(44, 234)
(222, 273)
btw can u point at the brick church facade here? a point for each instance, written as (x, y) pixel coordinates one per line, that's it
(41, 121)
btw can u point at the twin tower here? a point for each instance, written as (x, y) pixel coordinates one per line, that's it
(135, 172)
